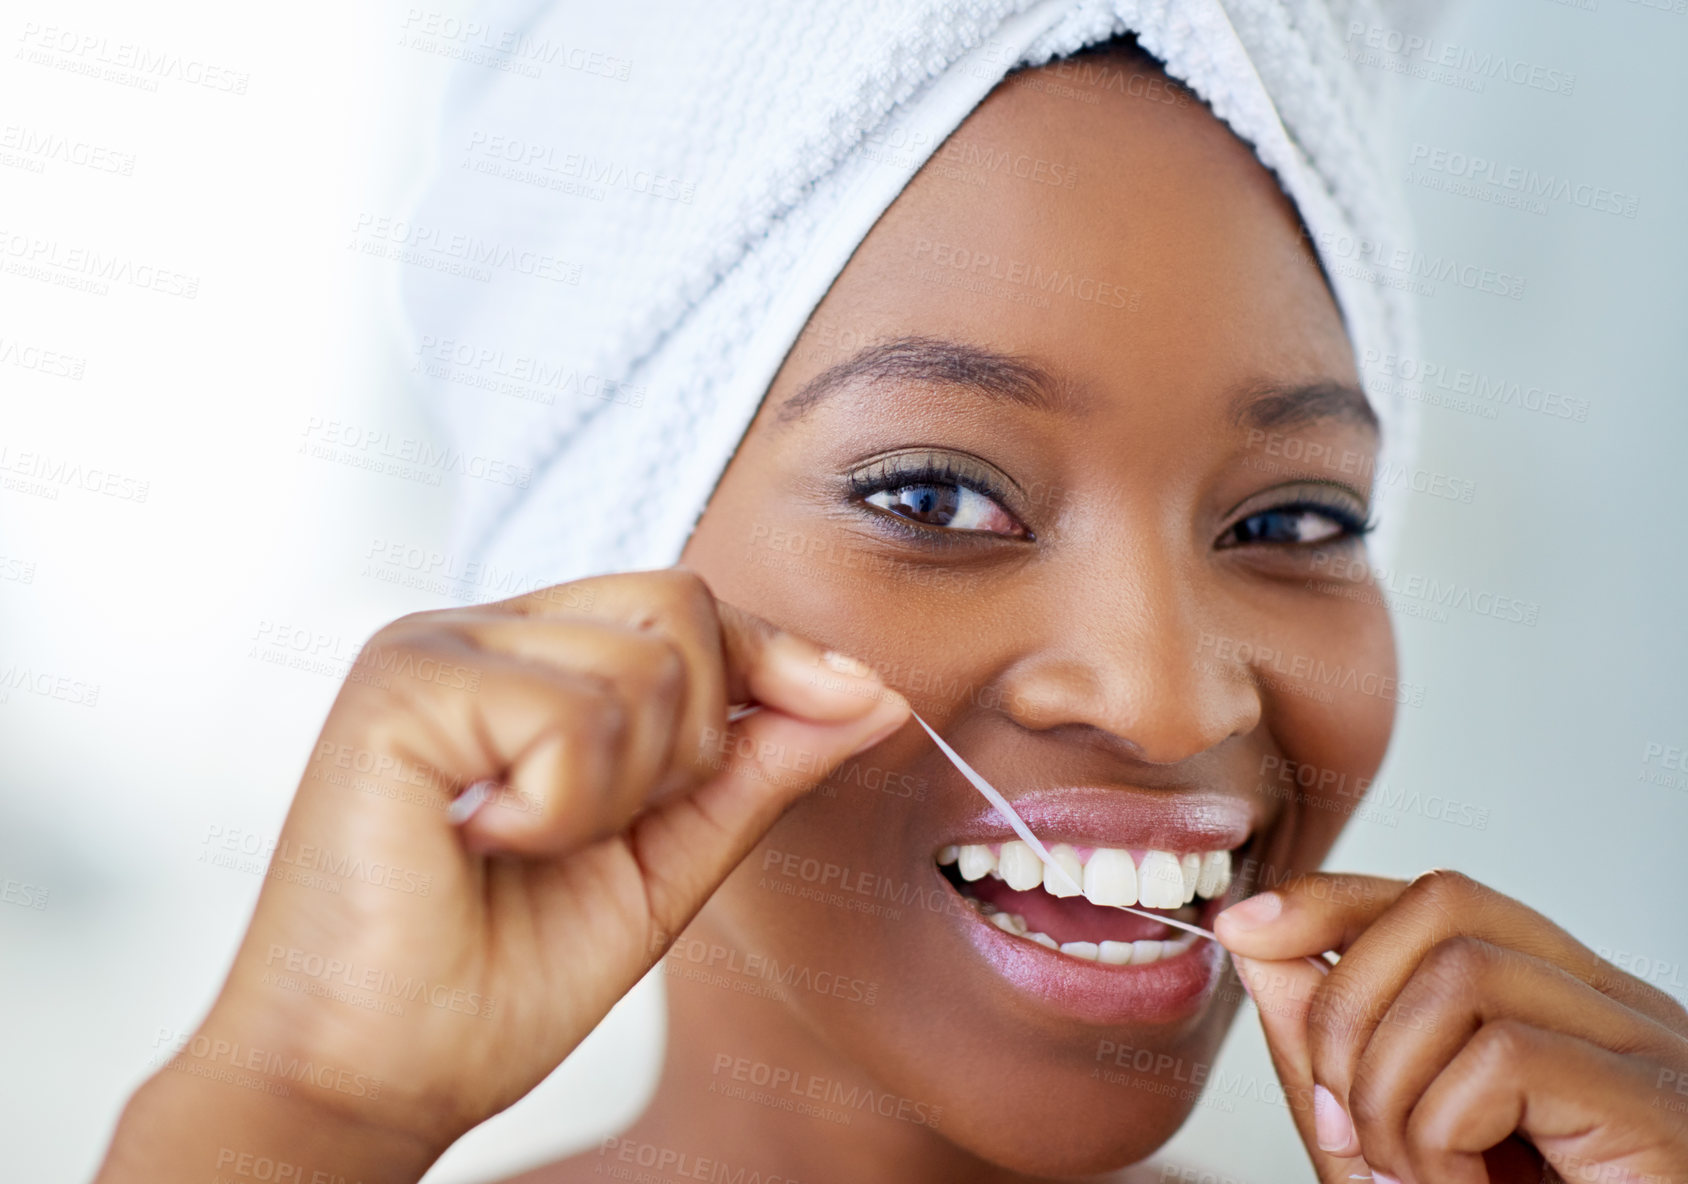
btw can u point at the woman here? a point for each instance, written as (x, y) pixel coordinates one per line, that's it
(1079, 473)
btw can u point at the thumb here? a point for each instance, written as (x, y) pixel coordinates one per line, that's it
(1283, 994)
(688, 844)
(793, 675)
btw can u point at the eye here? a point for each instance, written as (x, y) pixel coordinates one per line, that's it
(940, 492)
(953, 506)
(1303, 521)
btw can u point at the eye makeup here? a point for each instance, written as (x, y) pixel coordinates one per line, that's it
(1290, 516)
(940, 491)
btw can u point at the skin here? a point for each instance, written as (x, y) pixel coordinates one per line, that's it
(1084, 645)
(1106, 625)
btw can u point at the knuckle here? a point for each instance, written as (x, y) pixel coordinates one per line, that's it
(674, 595)
(1442, 890)
(667, 673)
(1455, 964)
(1337, 1013)
(1502, 1042)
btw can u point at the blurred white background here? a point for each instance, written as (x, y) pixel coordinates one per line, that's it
(146, 696)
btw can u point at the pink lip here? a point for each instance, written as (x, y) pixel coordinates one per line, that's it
(1170, 991)
(1187, 821)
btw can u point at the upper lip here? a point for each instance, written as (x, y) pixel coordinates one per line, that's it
(1192, 820)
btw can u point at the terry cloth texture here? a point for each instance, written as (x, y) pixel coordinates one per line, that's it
(636, 206)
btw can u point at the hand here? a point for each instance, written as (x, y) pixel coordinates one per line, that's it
(1462, 1037)
(429, 974)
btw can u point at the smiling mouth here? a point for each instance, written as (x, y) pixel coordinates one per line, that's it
(1014, 891)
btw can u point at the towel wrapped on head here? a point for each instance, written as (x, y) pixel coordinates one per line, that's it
(654, 197)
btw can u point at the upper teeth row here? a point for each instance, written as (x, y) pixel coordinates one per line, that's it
(1110, 876)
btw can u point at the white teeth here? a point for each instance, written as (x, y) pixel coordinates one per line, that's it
(975, 861)
(1010, 923)
(1115, 953)
(1190, 864)
(1144, 952)
(1053, 883)
(1111, 953)
(1215, 875)
(1020, 866)
(1110, 877)
(1224, 875)
(1160, 881)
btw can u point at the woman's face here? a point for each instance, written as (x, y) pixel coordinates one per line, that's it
(1041, 456)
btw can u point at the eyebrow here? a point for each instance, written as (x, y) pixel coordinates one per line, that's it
(1010, 379)
(929, 360)
(1275, 406)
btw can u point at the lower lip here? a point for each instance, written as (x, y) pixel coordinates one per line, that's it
(1165, 992)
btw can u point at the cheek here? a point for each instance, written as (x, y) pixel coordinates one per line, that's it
(1332, 724)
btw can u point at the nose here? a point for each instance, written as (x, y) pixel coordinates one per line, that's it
(1120, 652)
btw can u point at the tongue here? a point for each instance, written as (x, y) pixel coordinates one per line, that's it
(1070, 918)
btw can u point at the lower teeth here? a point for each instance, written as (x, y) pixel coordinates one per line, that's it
(1114, 953)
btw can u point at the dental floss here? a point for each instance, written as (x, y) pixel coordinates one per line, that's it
(1031, 840)
(991, 795)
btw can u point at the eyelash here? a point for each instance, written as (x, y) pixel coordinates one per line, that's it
(1352, 526)
(887, 476)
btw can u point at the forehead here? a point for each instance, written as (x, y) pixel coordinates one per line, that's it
(1103, 221)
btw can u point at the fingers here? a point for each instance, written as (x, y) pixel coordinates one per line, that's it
(673, 605)
(593, 707)
(1425, 967)
(1462, 985)
(1316, 913)
(687, 845)
(1363, 917)
(793, 675)
(1593, 1114)
(1384, 930)
(646, 675)
(728, 654)
(557, 740)
(1282, 993)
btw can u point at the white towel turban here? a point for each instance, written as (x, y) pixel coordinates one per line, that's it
(674, 185)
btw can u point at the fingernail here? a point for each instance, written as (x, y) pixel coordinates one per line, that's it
(466, 804)
(1331, 1125)
(844, 664)
(1254, 912)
